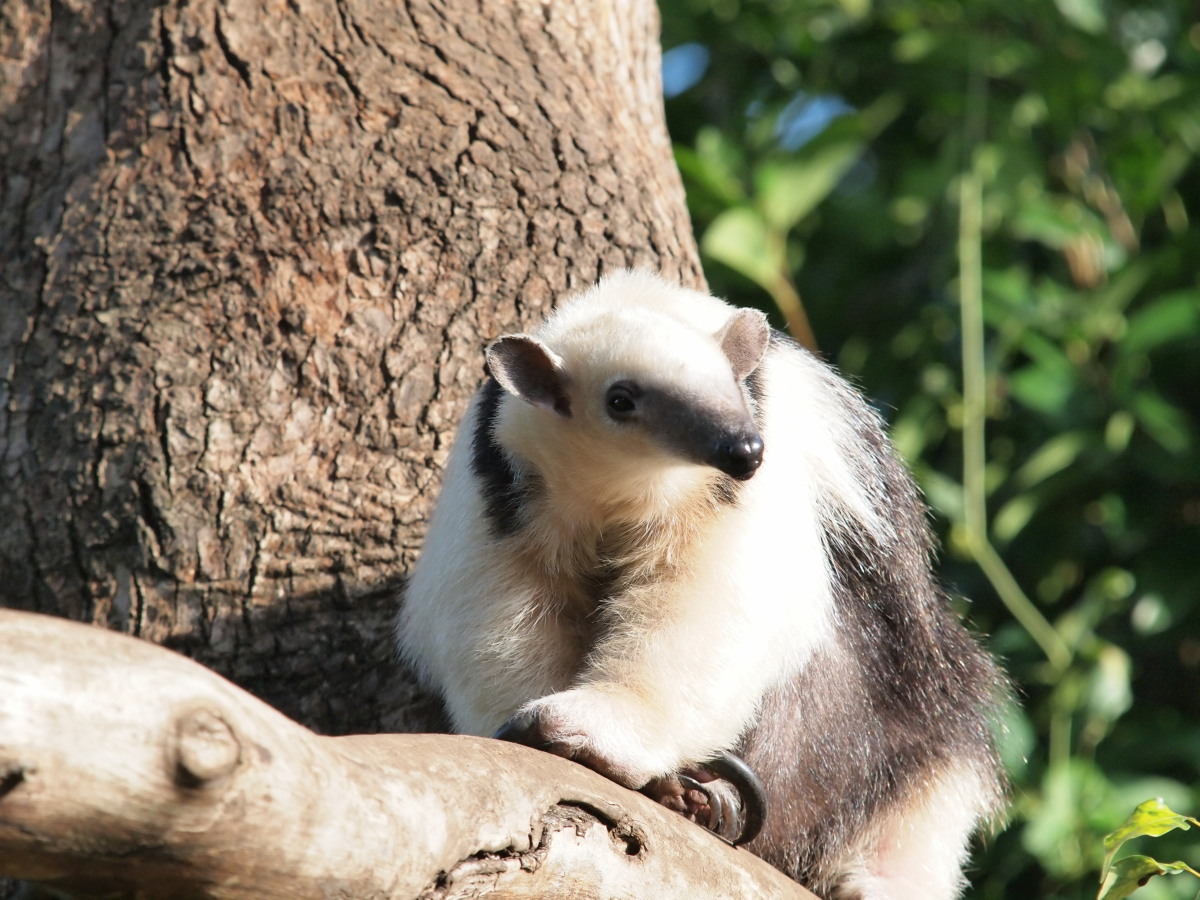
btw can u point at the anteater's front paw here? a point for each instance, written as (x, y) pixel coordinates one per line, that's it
(597, 729)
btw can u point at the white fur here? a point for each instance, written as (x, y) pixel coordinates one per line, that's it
(744, 598)
(719, 602)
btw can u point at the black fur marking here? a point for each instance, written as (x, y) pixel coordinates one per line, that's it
(603, 581)
(504, 496)
(725, 491)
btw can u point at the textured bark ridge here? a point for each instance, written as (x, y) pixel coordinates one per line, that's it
(250, 252)
(198, 790)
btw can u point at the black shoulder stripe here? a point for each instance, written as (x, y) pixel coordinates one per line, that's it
(502, 494)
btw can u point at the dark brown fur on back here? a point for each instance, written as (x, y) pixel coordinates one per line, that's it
(901, 689)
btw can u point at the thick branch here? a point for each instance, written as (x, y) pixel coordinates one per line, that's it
(125, 767)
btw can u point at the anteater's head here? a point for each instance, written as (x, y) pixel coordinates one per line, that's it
(634, 390)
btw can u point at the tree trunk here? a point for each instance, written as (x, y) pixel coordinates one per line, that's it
(250, 252)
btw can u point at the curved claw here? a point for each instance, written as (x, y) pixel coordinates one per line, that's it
(754, 799)
(521, 728)
(718, 811)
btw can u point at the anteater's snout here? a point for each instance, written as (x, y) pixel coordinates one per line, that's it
(739, 456)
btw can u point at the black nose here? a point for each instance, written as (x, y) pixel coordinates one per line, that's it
(739, 456)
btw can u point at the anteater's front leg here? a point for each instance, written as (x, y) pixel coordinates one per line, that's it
(657, 708)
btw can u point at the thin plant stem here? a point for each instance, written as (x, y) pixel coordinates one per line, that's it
(974, 375)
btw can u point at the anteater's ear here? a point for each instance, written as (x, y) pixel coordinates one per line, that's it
(743, 340)
(527, 368)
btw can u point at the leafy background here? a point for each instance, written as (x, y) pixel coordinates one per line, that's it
(986, 210)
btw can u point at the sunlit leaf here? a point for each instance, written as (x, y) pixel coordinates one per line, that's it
(1013, 516)
(1042, 388)
(1056, 454)
(1136, 91)
(1105, 319)
(787, 191)
(856, 9)
(1167, 318)
(1127, 875)
(1150, 615)
(1118, 430)
(715, 148)
(1152, 818)
(1109, 694)
(741, 239)
(943, 493)
(1086, 15)
(915, 45)
(712, 166)
(1056, 220)
(1055, 820)
(1164, 422)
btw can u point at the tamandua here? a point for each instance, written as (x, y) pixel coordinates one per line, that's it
(666, 534)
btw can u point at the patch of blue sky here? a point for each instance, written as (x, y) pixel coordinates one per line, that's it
(682, 67)
(806, 116)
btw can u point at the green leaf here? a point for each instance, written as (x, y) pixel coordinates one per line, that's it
(713, 167)
(943, 493)
(1043, 388)
(1109, 695)
(787, 191)
(1128, 874)
(1163, 421)
(1055, 816)
(1055, 220)
(1176, 315)
(701, 178)
(1118, 430)
(915, 45)
(1016, 739)
(1152, 818)
(742, 239)
(1013, 516)
(1056, 454)
(1086, 15)
(856, 9)
(1134, 91)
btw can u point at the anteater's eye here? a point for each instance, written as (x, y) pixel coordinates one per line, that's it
(621, 400)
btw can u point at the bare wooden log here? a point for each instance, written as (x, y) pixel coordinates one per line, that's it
(127, 769)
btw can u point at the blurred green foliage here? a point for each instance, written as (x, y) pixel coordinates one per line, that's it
(988, 212)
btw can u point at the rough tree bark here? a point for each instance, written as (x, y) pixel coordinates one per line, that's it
(250, 251)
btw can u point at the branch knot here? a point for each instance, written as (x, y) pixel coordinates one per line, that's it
(206, 748)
